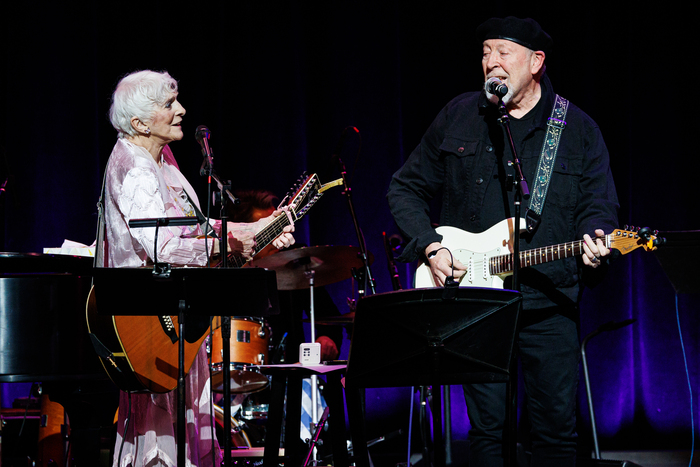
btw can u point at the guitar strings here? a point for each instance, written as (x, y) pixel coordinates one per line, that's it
(264, 237)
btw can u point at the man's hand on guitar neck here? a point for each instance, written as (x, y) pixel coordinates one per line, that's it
(440, 261)
(593, 250)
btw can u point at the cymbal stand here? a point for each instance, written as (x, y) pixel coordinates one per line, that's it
(314, 440)
(310, 274)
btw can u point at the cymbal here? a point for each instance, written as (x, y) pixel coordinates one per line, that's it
(330, 263)
(347, 318)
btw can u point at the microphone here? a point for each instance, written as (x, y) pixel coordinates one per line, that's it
(202, 136)
(496, 87)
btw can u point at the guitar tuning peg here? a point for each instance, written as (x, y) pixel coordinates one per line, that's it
(627, 227)
(645, 233)
(656, 233)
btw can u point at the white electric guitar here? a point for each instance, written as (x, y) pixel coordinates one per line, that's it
(489, 259)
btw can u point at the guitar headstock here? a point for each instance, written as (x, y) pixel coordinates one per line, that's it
(632, 238)
(303, 195)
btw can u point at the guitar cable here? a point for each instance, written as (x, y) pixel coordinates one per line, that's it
(690, 387)
(449, 280)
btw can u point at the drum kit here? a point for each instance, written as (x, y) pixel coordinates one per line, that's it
(250, 336)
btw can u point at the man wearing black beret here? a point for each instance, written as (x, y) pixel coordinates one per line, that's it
(464, 157)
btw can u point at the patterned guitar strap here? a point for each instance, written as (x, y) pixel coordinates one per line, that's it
(555, 126)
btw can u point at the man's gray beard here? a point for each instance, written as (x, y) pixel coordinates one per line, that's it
(494, 98)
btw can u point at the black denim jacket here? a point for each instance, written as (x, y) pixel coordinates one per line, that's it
(461, 157)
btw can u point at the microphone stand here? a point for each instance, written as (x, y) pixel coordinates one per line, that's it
(347, 191)
(522, 192)
(224, 194)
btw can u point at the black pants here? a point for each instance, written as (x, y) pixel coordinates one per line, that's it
(548, 347)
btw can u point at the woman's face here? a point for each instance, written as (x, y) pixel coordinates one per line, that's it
(165, 124)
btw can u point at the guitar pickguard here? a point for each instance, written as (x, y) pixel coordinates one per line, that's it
(483, 246)
(477, 268)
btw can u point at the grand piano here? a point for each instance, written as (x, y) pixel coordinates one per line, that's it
(44, 338)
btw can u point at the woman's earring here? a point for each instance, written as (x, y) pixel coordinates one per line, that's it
(148, 131)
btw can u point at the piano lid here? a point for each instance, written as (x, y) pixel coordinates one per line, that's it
(43, 332)
(20, 263)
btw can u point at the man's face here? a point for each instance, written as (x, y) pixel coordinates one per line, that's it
(514, 64)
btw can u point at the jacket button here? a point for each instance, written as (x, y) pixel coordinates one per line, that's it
(479, 181)
(460, 150)
(473, 217)
(489, 148)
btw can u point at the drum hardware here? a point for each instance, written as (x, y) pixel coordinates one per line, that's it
(239, 437)
(308, 267)
(255, 412)
(331, 264)
(314, 440)
(241, 336)
(343, 320)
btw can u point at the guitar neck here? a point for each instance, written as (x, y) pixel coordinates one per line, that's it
(503, 264)
(306, 195)
(262, 239)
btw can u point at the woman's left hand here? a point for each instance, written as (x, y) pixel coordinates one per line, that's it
(286, 239)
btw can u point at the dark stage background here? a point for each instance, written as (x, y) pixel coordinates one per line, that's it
(277, 82)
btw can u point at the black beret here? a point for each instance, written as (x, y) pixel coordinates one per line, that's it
(526, 32)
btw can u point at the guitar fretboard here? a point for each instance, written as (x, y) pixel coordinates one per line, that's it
(305, 197)
(263, 238)
(503, 264)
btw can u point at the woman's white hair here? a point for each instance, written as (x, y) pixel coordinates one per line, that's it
(138, 94)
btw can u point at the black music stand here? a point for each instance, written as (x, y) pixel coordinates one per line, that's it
(431, 336)
(189, 291)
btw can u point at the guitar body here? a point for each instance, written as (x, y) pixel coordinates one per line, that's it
(145, 355)
(141, 353)
(474, 251)
(489, 257)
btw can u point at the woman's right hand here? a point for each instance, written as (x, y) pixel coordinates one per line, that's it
(241, 239)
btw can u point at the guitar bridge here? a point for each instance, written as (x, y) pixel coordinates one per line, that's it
(168, 327)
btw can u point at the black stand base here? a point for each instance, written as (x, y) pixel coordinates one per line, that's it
(430, 337)
(586, 462)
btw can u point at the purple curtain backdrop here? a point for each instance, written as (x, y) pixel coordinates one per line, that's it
(277, 83)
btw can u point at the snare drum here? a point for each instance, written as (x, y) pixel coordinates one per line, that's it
(250, 338)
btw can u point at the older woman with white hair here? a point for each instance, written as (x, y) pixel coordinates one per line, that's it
(142, 180)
